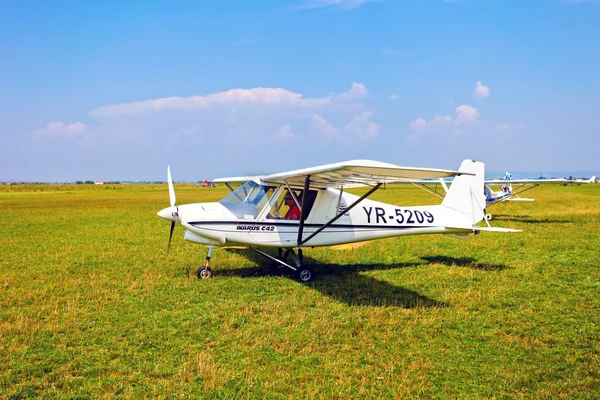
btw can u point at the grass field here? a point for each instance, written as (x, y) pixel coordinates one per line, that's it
(92, 306)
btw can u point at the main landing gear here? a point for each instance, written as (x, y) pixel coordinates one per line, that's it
(303, 273)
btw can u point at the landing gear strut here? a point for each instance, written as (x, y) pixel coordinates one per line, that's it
(205, 271)
(302, 272)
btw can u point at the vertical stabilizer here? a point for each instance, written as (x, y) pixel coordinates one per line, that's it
(466, 194)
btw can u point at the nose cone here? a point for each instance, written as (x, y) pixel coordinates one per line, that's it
(169, 213)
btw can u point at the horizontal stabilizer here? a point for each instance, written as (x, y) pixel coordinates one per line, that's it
(495, 229)
(477, 229)
(519, 199)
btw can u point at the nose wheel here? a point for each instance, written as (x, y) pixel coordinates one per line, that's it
(205, 271)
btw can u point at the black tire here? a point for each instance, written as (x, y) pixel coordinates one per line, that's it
(204, 273)
(305, 274)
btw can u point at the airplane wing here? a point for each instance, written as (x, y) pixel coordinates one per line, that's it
(238, 179)
(524, 181)
(356, 173)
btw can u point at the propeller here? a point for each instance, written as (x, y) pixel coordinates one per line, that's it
(171, 189)
(173, 201)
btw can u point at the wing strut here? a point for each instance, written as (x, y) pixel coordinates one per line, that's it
(331, 221)
(304, 196)
(517, 191)
(428, 189)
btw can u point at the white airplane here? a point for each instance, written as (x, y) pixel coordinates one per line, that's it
(509, 193)
(580, 180)
(310, 207)
(505, 191)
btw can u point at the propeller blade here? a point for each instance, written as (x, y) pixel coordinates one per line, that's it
(171, 235)
(171, 189)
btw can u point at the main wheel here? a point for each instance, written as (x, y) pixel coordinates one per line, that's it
(204, 273)
(305, 274)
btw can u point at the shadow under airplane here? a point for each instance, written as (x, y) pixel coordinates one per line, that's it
(464, 262)
(346, 284)
(530, 220)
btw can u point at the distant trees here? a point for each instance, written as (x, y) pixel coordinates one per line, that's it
(88, 182)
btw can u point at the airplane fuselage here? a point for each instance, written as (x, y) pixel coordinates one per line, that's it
(214, 224)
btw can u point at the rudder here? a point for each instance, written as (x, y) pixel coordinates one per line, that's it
(466, 194)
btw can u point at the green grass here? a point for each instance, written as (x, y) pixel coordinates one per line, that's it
(92, 306)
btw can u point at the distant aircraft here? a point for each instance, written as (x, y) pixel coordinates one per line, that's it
(509, 193)
(509, 189)
(309, 207)
(581, 180)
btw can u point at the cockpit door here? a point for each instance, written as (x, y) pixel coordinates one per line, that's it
(272, 227)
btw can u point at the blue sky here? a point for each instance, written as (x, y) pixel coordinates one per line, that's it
(116, 90)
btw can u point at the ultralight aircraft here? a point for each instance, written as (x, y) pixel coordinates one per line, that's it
(503, 192)
(310, 207)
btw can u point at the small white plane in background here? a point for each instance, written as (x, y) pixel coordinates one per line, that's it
(509, 193)
(310, 207)
(505, 189)
(581, 180)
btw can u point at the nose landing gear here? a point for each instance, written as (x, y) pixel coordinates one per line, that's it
(205, 271)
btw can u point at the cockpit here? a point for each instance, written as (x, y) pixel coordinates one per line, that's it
(247, 201)
(253, 201)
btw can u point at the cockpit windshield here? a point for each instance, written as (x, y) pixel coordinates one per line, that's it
(248, 200)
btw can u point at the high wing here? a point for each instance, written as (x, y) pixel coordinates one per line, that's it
(238, 179)
(524, 181)
(512, 188)
(355, 173)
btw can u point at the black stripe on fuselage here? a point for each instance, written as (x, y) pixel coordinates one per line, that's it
(200, 224)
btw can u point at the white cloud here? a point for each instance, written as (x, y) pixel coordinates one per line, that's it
(481, 91)
(464, 115)
(60, 129)
(260, 96)
(241, 120)
(393, 97)
(361, 127)
(418, 124)
(322, 128)
(357, 91)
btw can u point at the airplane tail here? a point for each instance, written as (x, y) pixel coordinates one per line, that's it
(467, 194)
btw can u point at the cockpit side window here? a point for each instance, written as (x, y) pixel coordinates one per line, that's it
(285, 208)
(248, 200)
